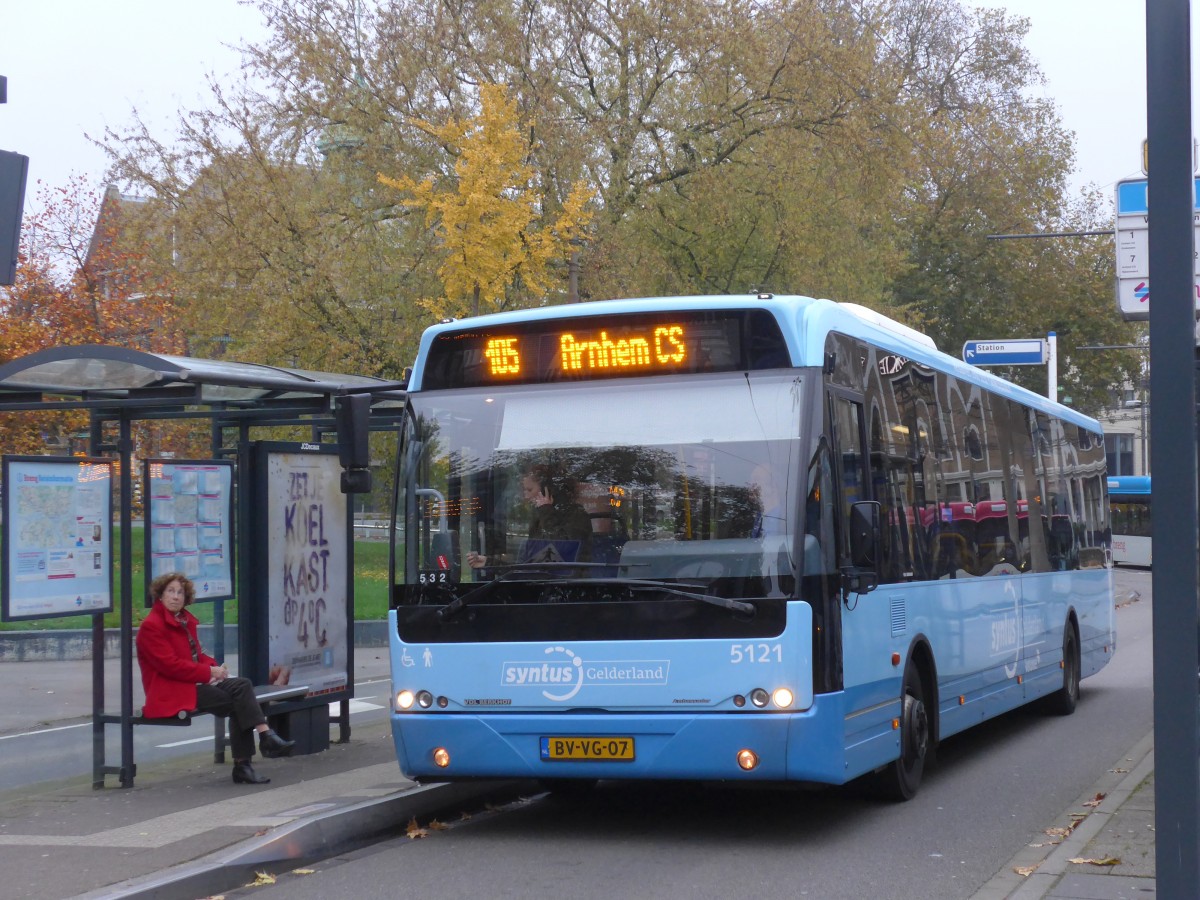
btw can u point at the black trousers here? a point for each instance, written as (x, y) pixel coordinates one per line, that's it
(233, 697)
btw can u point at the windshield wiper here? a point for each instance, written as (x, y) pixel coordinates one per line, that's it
(507, 573)
(456, 605)
(739, 606)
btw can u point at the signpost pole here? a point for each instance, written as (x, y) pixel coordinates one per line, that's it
(1173, 384)
(1052, 366)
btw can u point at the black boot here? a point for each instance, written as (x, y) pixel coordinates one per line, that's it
(272, 745)
(243, 773)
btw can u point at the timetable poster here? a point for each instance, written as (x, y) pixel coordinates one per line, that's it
(189, 523)
(308, 561)
(57, 536)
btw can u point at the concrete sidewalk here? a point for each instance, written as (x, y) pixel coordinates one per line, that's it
(1100, 848)
(185, 829)
(163, 837)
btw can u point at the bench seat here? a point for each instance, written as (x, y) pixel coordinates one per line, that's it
(266, 694)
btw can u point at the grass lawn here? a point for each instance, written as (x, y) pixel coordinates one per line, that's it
(370, 589)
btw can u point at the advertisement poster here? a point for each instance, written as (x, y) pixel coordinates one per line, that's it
(189, 523)
(308, 564)
(57, 537)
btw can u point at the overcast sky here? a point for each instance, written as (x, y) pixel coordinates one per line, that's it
(77, 66)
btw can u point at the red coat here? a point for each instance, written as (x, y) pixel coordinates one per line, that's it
(169, 674)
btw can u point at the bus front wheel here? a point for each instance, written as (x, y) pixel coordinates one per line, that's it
(1063, 701)
(899, 780)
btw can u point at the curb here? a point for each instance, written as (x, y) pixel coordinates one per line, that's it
(1051, 860)
(309, 840)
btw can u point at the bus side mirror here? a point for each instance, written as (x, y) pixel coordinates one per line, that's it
(864, 534)
(862, 575)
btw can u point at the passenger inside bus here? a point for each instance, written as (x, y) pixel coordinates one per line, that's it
(560, 530)
(771, 519)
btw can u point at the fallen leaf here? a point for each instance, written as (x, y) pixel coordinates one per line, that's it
(1119, 771)
(1095, 801)
(435, 825)
(1107, 861)
(1025, 871)
(465, 816)
(416, 831)
(1059, 832)
(303, 871)
(262, 878)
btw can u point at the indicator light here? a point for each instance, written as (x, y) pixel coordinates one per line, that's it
(747, 760)
(441, 757)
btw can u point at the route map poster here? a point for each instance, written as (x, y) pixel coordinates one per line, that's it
(308, 564)
(189, 523)
(57, 537)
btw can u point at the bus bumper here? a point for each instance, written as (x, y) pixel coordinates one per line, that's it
(801, 746)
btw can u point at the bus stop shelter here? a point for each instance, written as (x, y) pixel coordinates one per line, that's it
(119, 386)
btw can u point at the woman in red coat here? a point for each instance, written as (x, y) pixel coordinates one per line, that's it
(178, 675)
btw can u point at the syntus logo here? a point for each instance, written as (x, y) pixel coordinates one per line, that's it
(564, 671)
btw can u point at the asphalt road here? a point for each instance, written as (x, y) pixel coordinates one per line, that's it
(991, 792)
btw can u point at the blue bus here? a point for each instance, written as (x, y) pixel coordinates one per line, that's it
(729, 538)
(1132, 532)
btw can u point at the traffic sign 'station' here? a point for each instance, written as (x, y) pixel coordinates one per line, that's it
(1133, 251)
(1005, 353)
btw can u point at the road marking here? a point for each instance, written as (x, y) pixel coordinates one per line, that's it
(5, 737)
(356, 706)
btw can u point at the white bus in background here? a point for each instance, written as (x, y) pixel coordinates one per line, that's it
(1129, 502)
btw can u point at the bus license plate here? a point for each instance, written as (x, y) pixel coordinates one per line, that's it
(568, 748)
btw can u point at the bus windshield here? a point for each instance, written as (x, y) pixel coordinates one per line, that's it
(603, 489)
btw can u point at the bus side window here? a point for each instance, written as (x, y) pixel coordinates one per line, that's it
(848, 434)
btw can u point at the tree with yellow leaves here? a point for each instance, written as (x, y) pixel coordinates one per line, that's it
(486, 215)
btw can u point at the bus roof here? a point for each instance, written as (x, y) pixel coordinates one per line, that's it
(1129, 484)
(805, 321)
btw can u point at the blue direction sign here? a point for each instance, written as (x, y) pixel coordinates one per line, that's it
(1005, 353)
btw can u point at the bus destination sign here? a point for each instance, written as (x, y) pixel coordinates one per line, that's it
(664, 348)
(613, 346)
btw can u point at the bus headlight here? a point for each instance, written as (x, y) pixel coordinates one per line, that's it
(783, 697)
(404, 700)
(759, 697)
(424, 699)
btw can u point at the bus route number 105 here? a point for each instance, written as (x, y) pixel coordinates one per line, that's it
(755, 653)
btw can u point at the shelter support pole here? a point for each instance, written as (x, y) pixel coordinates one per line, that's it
(99, 757)
(218, 625)
(125, 456)
(97, 700)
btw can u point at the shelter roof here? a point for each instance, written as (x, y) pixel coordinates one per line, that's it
(109, 373)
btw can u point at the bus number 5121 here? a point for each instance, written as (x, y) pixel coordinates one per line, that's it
(755, 653)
